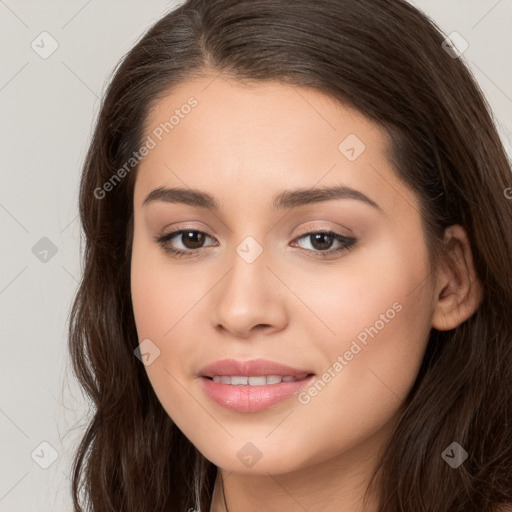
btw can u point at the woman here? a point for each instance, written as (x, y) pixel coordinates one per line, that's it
(297, 290)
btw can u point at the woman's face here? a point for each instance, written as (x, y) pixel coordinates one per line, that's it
(254, 283)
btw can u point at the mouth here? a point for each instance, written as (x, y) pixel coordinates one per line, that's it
(240, 371)
(261, 380)
(251, 386)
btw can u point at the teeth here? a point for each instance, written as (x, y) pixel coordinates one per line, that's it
(255, 381)
(240, 380)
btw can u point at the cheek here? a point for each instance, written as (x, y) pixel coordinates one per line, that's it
(163, 299)
(162, 292)
(377, 305)
(167, 299)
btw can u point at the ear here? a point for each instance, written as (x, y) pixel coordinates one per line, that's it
(458, 289)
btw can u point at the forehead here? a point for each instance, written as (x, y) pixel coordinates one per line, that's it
(218, 134)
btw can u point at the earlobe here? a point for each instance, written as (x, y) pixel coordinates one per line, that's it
(459, 292)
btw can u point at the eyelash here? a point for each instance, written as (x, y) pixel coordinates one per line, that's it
(164, 240)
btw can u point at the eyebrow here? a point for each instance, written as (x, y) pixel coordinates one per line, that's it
(287, 199)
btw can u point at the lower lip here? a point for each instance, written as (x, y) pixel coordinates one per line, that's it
(252, 398)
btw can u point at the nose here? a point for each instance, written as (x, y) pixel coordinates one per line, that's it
(250, 298)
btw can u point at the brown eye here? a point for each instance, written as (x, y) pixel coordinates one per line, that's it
(322, 241)
(184, 242)
(192, 239)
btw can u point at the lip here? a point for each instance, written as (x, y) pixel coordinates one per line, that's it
(246, 398)
(251, 368)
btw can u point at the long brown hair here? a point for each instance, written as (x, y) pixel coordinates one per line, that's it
(386, 59)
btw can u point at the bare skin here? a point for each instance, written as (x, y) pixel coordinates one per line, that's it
(244, 144)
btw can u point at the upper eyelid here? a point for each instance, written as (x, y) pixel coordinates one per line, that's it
(175, 233)
(347, 242)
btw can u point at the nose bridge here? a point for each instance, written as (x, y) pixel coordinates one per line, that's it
(246, 296)
(248, 277)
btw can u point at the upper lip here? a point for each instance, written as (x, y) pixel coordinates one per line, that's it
(251, 368)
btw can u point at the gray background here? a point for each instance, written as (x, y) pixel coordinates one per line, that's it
(48, 111)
